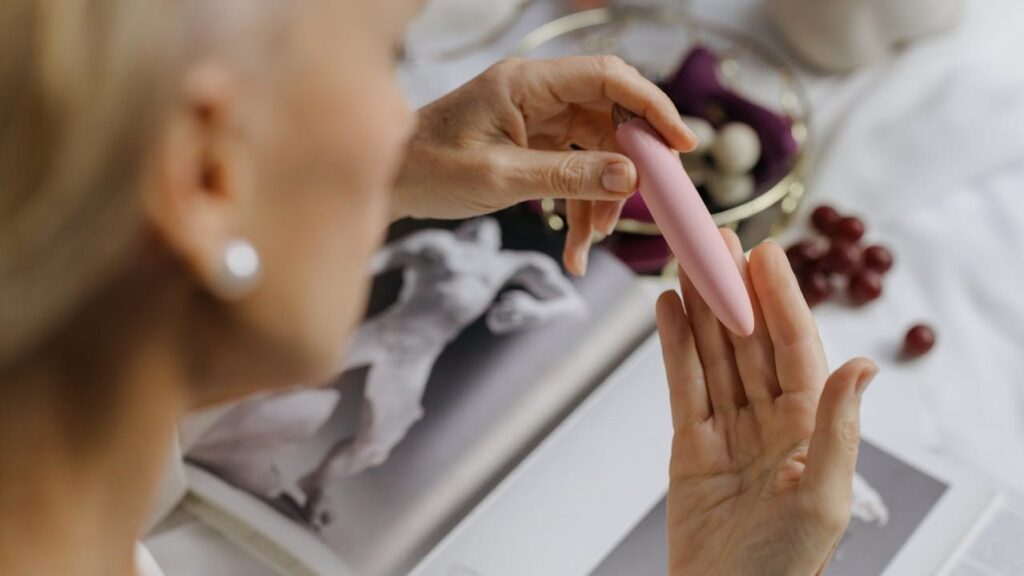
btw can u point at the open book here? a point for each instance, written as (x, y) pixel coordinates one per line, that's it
(501, 345)
(589, 501)
(532, 458)
(896, 509)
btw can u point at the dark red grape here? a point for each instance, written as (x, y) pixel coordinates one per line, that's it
(803, 254)
(815, 287)
(865, 286)
(850, 228)
(919, 340)
(842, 258)
(878, 258)
(824, 219)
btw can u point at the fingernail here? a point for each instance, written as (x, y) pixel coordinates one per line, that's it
(865, 379)
(617, 178)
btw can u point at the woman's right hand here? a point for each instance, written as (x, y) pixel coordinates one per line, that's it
(508, 135)
(765, 440)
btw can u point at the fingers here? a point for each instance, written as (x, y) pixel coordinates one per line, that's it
(588, 129)
(579, 215)
(715, 350)
(594, 183)
(832, 456)
(572, 174)
(799, 359)
(687, 392)
(606, 215)
(581, 79)
(754, 354)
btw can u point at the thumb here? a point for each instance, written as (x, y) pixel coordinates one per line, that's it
(575, 174)
(832, 455)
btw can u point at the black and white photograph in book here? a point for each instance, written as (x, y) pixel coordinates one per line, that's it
(435, 399)
(891, 499)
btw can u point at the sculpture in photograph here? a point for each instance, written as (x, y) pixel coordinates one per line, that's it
(450, 279)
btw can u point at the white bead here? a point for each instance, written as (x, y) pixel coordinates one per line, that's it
(704, 131)
(736, 148)
(728, 190)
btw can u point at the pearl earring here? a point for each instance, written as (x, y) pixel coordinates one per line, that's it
(239, 270)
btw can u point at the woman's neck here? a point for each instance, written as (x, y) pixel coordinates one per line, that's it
(83, 438)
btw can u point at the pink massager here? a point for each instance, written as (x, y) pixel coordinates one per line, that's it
(685, 222)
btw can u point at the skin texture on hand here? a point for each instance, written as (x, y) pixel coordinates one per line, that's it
(765, 440)
(508, 136)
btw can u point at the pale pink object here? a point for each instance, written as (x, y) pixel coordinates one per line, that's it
(686, 224)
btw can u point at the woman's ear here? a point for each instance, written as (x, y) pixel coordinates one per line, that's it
(194, 201)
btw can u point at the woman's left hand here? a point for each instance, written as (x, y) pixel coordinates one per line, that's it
(765, 442)
(506, 137)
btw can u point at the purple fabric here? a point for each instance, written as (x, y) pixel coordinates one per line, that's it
(697, 90)
(643, 254)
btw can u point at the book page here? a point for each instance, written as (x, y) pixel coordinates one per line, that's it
(185, 546)
(477, 331)
(600, 477)
(996, 544)
(580, 492)
(259, 529)
(891, 498)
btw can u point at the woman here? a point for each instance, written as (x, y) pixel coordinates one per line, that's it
(190, 191)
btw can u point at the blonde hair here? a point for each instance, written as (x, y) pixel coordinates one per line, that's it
(81, 88)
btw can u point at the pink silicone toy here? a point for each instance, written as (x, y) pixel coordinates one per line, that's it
(685, 222)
